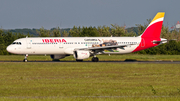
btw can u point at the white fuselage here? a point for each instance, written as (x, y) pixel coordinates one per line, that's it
(66, 45)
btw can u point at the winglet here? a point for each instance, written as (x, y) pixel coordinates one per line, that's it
(154, 28)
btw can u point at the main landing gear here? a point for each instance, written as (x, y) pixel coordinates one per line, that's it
(25, 58)
(95, 59)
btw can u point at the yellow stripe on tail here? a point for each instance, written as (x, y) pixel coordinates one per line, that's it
(158, 15)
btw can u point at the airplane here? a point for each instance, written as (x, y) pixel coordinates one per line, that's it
(85, 47)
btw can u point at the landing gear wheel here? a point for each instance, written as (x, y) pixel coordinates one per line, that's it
(77, 60)
(25, 60)
(95, 59)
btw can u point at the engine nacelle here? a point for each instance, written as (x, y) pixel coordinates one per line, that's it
(58, 56)
(81, 54)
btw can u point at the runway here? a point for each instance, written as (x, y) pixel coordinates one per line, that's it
(157, 62)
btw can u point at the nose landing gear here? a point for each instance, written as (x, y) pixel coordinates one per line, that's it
(25, 58)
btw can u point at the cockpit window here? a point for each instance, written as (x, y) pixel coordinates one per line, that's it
(17, 43)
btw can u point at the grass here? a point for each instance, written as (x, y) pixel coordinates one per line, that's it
(101, 58)
(89, 81)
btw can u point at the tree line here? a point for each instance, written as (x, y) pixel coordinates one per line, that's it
(172, 47)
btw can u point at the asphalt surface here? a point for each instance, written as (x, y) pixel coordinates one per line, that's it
(158, 62)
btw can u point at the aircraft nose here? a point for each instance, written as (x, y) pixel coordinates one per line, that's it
(9, 49)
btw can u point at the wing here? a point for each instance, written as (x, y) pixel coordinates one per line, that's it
(105, 47)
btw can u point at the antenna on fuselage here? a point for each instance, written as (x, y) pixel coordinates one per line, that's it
(26, 36)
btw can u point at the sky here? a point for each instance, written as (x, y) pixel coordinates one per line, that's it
(68, 13)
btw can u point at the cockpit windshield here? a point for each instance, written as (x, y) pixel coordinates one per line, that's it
(17, 43)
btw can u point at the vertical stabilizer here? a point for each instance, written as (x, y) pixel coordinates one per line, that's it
(154, 28)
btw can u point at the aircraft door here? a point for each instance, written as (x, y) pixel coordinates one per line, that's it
(29, 43)
(61, 45)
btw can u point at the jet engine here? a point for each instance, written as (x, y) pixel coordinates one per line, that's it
(58, 56)
(81, 54)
